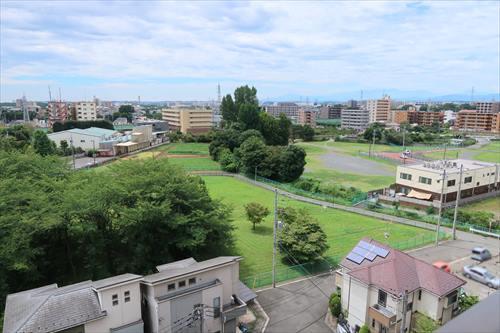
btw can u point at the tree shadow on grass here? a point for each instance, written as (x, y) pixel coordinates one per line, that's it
(262, 230)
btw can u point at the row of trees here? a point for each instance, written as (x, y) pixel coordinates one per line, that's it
(21, 138)
(62, 226)
(70, 124)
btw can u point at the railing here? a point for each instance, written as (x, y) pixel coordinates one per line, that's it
(417, 241)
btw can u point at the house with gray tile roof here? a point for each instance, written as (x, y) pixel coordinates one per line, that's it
(383, 288)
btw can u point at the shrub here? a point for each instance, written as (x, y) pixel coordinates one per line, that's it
(307, 184)
(335, 304)
(430, 210)
(228, 161)
(364, 329)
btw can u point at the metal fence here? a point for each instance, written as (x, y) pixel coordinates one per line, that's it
(417, 241)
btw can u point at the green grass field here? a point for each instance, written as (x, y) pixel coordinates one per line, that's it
(489, 205)
(343, 229)
(489, 153)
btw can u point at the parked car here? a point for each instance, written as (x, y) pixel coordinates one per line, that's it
(480, 254)
(482, 275)
(443, 265)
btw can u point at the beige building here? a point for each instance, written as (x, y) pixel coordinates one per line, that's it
(426, 118)
(488, 107)
(384, 288)
(307, 116)
(85, 111)
(111, 305)
(424, 180)
(290, 110)
(399, 116)
(140, 138)
(192, 120)
(380, 109)
(473, 120)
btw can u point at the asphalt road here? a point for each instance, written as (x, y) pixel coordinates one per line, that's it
(353, 164)
(298, 306)
(85, 162)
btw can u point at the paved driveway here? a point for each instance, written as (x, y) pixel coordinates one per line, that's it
(298, 306)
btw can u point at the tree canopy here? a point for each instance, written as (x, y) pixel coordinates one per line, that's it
(256, 213)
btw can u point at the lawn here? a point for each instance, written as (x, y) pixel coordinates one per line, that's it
(488, 205)
(489, 153)
(343, 229)
(189, 148)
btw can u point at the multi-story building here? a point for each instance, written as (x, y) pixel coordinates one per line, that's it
(426, 118)
(195, 120)
(357, 119)
(85, 111)
(352, 104)
(488, 107)
(184, 296)
(380, 109)
(111, 305)
(330, 112)
(307, 116)
(473, 120)
(290, 110)
(424, 180)
(384, 289)
(399, 116)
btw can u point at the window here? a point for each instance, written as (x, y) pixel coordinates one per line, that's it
(453, 297)
(373, 323)
(477, 184)
(126, 295)
(424, 180)
(114, 298)
(171, 287)
(468, 180)
(451, 182)
(420, 295)
(192, 281)
(216, 305)
(182, 284)
(382, 297)
(409, 306)
(406, 176)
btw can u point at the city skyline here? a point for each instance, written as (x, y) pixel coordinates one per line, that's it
(181, 51)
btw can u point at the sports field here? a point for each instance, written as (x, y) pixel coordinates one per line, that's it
(343, 229)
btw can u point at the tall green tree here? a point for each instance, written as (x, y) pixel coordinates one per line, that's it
(17, 137)
(245, 95)
(248, 116)
(251, 154)
(42, 144)
(292, 162)
(256, 213)
(228, 110)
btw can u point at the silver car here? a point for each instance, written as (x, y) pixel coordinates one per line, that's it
(482, 275)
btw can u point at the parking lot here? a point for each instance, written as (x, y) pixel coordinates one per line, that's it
(458, 254)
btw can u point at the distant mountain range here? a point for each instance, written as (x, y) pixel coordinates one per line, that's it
(395, 94)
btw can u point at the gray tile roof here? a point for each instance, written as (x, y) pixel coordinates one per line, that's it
(50, 309)
(244, 293)
(177, 264)
(175, 272)
(111, 281)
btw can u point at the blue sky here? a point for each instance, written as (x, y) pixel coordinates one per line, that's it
(178, 51)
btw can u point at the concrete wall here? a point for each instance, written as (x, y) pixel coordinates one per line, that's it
(79, 140)
(358, 302)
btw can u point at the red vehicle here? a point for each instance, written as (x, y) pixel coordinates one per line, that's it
(443, 265)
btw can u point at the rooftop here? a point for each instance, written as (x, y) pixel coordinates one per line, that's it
(92, 131)
(187, 267)
(451, 166)
(114, 280)
(399, 272)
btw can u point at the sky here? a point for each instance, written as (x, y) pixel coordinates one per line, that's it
(159, 50)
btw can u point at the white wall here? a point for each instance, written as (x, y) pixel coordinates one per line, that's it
(208, 295)
(79, 140)
(117, 315)
(358, 303)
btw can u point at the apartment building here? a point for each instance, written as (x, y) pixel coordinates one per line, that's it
(184, 296)
(426, 118)
(384, 288)
(330, 112)
(357, 119)
(399, 116)
(194, 120)
(473, 120)
(85, 111)
(488, 107)
(290, 110)
(380, 109)
(307, 116)
(424, 180)
(110, 305)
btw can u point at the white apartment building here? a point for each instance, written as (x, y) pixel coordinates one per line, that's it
(384, 288)
(111, 305)
(290, 110)
(357, 119)
(380, 109)
(85, 111)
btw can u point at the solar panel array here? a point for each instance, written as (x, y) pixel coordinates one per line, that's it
(365, 250)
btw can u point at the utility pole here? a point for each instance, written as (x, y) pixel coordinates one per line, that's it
(404, 150)
(73, 152)
(456, 202)
(440, 206)
(444, 153)
(405, 304)
(255, 174)
(93, 151)
(274, 234)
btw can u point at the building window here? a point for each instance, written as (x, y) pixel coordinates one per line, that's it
(382, 298)
(373, 323)
(409, 306)
(424, 180)
(114, 298)
(126, 295)
(453, 297)
(182, 284)
(216, 305)
(468, 180)
(451, 182)
(171, 287)
(419, 295)
(406, 176)
(192, 281)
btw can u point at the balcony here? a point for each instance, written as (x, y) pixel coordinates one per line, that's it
(382, 314)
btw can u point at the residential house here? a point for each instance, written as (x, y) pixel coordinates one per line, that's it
(383, 288)
(110, 305)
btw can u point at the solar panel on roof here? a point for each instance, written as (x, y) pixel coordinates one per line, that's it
(355, 258)
(370, 256)
(381, 252)
(373, 249)
(360, 251)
